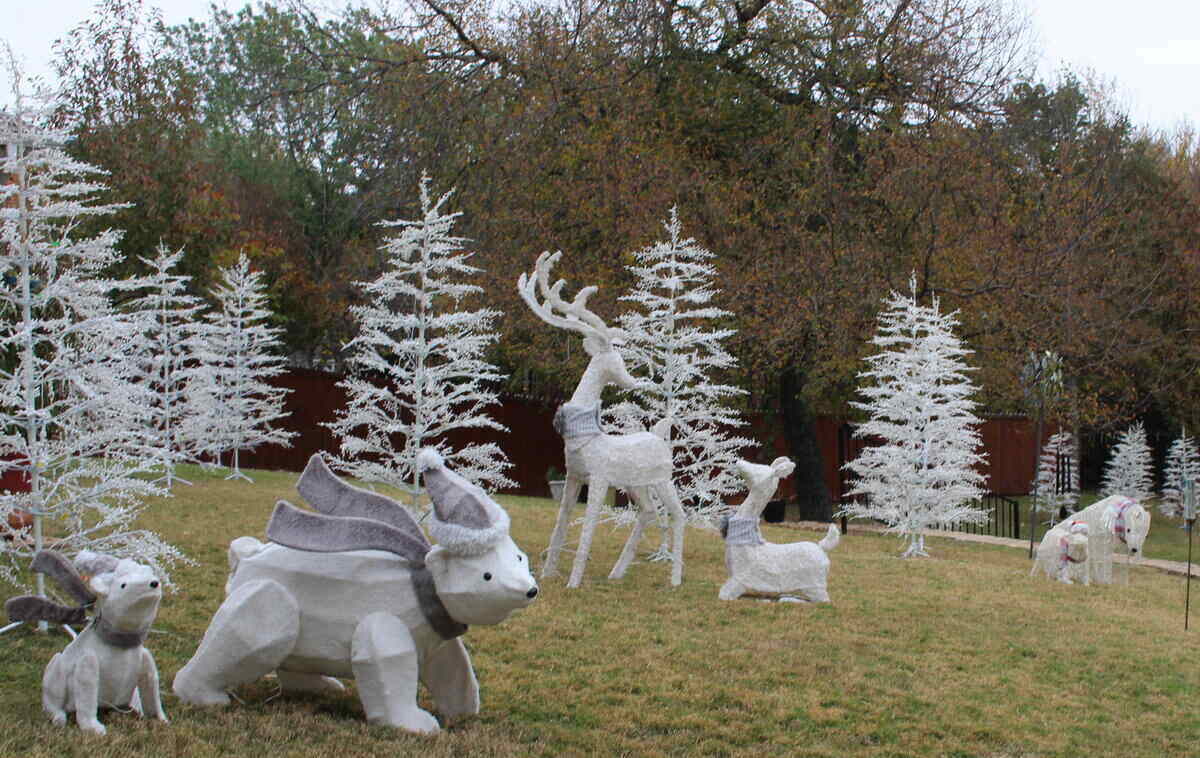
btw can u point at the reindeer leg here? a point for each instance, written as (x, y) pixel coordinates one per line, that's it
(597, 489)
(569, 496)
(670, 498)
(646, 514)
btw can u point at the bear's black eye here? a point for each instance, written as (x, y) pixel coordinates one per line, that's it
(122, 585)
(487, 576)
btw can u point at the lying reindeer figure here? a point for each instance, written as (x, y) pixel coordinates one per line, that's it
(106, 666)
(378, 603)
(758, 567)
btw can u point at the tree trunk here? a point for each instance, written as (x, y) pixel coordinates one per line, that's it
(800, 431)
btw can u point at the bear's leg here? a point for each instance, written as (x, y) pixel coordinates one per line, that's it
(54, 690)
(385, 662)
(146, 691)
(85, 692)
(641, 498)
(448, 675)
(293, 681)
(252, 632)
(559, 537)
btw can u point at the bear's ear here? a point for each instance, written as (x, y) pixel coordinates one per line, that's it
(435, 560)
(100, 583)
(782, 466)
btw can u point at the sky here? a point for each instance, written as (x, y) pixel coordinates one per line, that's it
(1149, 51)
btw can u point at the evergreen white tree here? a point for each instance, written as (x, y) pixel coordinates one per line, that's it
(237, 354)
(1183, 464)
(66, 395)
(673, 340)
(1059, 461)
(166, 364)
(918, 398)
(1130, 470)
(418, 366)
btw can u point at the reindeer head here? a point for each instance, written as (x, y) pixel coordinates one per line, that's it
(599, 339)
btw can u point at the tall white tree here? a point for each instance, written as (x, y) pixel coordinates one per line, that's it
(918, 399)
(165, 364)
(419, 370)
(238, 353)
(66, 394)
(674, 340)
(1130, 470)
(1183, 464)
(1058, 475)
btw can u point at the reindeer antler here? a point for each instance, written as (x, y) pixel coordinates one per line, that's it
(575, 315)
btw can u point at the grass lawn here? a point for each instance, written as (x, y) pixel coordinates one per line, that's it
(962, 654)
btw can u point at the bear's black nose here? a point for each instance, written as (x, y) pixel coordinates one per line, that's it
(532, 593)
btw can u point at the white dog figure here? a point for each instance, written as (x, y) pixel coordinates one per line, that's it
(359, 592)
(106, 666)
(1063, 553)
(759, 567)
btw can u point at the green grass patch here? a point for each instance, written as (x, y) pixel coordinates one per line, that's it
(962, 654)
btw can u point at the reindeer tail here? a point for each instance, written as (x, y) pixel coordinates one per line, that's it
(240, 549)
(831, 538)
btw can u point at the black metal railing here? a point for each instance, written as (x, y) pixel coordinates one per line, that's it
(1003, 518)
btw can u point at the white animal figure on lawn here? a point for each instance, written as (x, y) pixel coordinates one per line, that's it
(1063, 553)
(638, 463)
(378, 603)
(106, 666)
(758, 567)
(1116, 524)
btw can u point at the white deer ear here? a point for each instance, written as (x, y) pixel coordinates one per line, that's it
(783, 466)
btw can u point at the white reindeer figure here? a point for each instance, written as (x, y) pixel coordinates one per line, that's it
(638, 463)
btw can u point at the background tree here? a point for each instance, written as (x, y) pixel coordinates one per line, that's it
(238, 353)
(1058, 475)
(918, 398)
(1130, 470)
(1183, 464)
(66, 395)
(419, 371)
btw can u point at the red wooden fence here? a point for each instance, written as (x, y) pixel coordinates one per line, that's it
(533, 446)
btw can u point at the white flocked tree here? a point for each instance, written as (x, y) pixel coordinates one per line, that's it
(918, 399)
(66, 389)
(1058, 475)
(238, 352)
(673, 342)
(418, 362)
(169, 343)
(1183, 464)
(1130, 470)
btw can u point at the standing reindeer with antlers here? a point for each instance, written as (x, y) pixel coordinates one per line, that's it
(638, 463)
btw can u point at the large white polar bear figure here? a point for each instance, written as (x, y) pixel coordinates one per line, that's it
(378, 603)
(795, 570)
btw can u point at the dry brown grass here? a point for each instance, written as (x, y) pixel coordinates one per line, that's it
(959, 655)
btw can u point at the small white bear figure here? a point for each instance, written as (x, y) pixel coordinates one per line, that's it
(1063, 553)
(764, 568)
(107, 665)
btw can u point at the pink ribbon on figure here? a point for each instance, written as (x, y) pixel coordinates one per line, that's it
(1064, 553)
(1119, 522)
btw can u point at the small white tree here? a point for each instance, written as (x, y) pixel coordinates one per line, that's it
(66, 396)
(1058, 469)
(238, 353)
(918, 398)
(1183, 464)
(1130, 471)
(674, 342)
(418, 363)
(166, 362)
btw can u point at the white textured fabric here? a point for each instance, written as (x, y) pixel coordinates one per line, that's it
(1115, 524)
(91, 673)
(366, 614)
